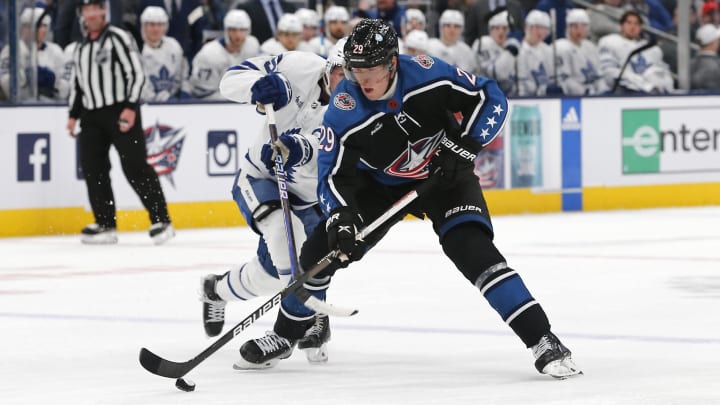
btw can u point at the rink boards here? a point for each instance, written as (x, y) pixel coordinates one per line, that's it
(554, 155)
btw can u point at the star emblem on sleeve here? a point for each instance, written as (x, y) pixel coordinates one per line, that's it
(491, 121)
(498, 109)
(485, 133)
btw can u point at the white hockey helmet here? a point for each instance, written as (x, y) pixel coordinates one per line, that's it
(237, 19)
(417, 39)
(499, 20)
(453, 17)
(289, 23)
(537, 17)
(577, 16)
(335, 58)
(154, 14)
(336, 13)
(308, 17)
(31, 15)
(413, 14)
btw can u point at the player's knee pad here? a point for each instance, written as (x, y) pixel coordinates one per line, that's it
(248, 281)
(472, 250)
(272, 227)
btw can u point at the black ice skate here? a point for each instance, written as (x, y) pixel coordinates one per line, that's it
(264, 352)
(213, 306)
(314, 343)
(95, 234)
(161, 232)
(553, 358)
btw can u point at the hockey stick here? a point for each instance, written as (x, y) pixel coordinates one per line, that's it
(308, 300)
(171, 369)
(652, 42)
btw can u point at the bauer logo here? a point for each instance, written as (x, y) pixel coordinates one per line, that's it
(33, 157)
(222, 153)
(669, 140)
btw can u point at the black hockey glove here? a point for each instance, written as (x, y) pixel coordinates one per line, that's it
(342, 226)
(455, 156)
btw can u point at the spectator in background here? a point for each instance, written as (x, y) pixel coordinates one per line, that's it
(536, 67)
(561, 9)
(710, 13)
(705, 67)
(265, 15)
(645, 72)
(183, 15)
(336, 26)
(416, 43)
(450, 46)
(311, 27)
(289, 29)
(652, 12)
(215, 57)
(391, 12)
(47, 76)
(414, 20)
(478, 14)
(165, 66)
(604, 21)
(496, 53)
(577, 59)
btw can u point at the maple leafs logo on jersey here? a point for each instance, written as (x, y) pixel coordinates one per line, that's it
(344, 101)
(413, 163)
(164, 145)
(163, 80)
(424, 61)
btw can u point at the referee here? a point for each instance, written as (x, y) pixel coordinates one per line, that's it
(108, 79)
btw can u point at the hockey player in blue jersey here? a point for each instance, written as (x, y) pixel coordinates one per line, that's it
(381, 135)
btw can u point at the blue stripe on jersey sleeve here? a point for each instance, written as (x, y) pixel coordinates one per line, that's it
(245, 65)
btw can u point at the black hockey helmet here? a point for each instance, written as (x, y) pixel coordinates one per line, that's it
(371, 43)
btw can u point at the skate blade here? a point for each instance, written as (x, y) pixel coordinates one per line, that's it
(562, 369)
(317, 355)
(246, 365)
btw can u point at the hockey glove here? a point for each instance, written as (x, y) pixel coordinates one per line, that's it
(295, 150)
(271, 88)
(45, 81)
(455, 156)
(342, 226)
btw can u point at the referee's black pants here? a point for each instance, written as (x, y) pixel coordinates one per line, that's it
(98, 130)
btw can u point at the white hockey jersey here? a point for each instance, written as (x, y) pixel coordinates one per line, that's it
(166, 70)
(458, 54)
(49, 56)
(303, 115)
(320, 45)
(211, 62)
(646, 72)
(272, 46)
(535, 69)
(578, 68)
(496, 62)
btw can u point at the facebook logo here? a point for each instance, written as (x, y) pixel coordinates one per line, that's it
(33, 157)
(222, 153)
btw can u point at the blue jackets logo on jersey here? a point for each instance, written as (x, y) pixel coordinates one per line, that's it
(164, 145)
(424, 61)
(412, 164)
(344, 101)
(33, 157)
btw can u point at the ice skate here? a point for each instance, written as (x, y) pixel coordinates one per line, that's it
(553, 358)
(161, 232)
(314, 343)
(264, 352)
(213, 306)
(95, 234)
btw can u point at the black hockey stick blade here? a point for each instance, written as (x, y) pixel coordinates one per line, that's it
(162, 367)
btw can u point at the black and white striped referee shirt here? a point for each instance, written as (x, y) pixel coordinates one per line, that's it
(107, 72)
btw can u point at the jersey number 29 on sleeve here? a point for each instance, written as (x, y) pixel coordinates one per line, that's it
(327, 139)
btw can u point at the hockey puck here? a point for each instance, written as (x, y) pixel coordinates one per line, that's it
(185, 385)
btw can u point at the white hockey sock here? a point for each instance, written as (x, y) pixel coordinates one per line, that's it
(247, 281)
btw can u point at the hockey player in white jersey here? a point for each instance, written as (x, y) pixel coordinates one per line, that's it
(450, 47)
(163, 60)
(578, 60)
(287, 38)
(535, 59)
(299, 85)
(416, 43)
(210, 64)
(336, 20)
(311, 27)
(414, 21)
(50, 60)
(496, 53)
(646, 72)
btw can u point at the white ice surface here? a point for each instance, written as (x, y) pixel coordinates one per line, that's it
(634, 295)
